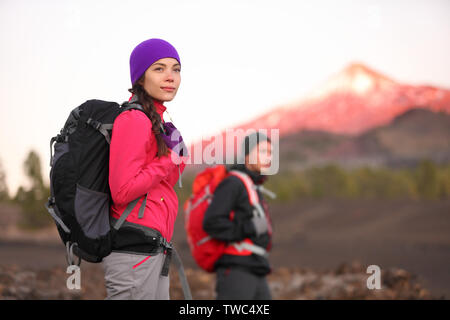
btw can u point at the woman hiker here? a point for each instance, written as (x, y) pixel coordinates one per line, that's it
(145, 162)
(241, 274)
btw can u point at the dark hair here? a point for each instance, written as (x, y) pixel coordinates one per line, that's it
(249, 141)
(149, 108)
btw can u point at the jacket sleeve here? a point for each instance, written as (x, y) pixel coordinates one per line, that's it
(217, 222)
(130, 174)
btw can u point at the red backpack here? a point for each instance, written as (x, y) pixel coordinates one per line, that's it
(206, 250)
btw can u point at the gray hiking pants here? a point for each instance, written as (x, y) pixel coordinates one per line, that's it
(238, 284)
(129, 276)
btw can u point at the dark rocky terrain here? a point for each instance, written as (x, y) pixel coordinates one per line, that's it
(321, 251)
(348, 281)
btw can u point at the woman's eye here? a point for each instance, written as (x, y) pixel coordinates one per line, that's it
(177, 70)
(158, 69)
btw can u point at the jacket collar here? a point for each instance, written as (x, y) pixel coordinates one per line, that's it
(256, 177)
(160, 108)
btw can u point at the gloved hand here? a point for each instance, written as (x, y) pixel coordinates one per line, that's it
(173, 139)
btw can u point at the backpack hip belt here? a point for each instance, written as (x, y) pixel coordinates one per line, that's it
(237, 248)
(163, 246)
(245, 247)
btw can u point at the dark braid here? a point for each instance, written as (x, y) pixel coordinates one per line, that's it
(147, 103)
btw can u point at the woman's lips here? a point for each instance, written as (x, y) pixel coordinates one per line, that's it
(168, 89)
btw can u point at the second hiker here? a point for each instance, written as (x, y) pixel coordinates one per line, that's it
(241, 271)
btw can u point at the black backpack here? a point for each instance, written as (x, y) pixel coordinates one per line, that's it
(80, 197)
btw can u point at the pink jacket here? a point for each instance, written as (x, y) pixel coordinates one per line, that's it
(134, 170)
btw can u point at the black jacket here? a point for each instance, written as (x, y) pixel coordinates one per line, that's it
(231, 195)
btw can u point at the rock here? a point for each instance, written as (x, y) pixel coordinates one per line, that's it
(6, 279)
(25, 277)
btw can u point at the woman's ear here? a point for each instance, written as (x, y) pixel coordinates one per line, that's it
(141, 80)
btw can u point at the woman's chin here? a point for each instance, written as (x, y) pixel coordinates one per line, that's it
(167, 97)
(163, 97)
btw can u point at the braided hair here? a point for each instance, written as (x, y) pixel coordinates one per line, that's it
(149, 108)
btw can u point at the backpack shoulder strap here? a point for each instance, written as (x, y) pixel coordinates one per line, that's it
(133, 104)
(252, 195)
(251, 190)
(254, 201)
(128, 210)
(130, 106)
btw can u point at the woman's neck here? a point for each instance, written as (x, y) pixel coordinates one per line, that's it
(158, 101)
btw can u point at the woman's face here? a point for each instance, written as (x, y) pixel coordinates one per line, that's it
(162, 79)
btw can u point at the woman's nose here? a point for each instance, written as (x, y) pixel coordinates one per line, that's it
(169, 76)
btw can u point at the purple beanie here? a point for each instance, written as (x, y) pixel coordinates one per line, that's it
(148, 52)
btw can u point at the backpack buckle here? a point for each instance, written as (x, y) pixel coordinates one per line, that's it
(93, 123)
(51, 201)
(163, 242)
(70, 254)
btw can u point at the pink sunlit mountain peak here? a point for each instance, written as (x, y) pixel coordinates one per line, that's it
(356, 78)
(351, 101)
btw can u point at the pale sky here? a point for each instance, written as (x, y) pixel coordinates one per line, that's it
(239, 58)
